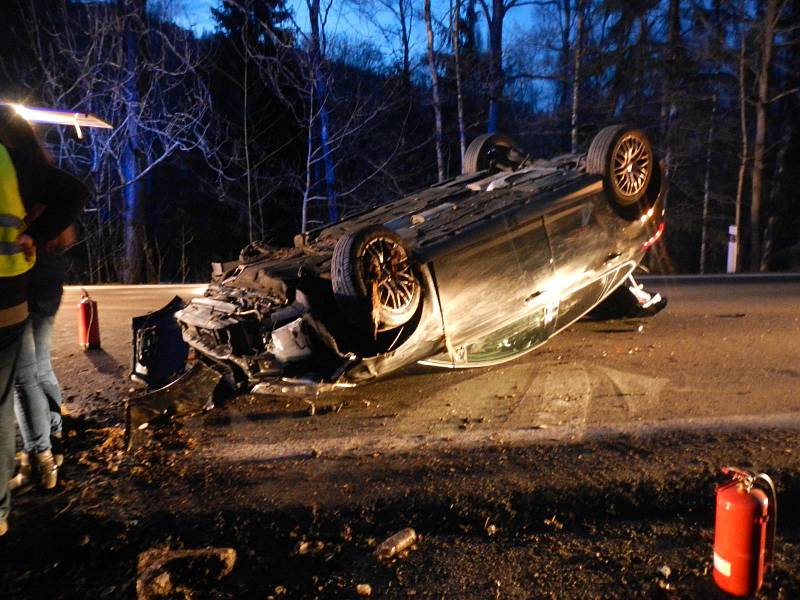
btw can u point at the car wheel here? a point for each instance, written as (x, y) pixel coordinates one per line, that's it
(623, 157)
(372, 279)
(490, 150)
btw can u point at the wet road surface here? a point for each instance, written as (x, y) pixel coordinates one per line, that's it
(720, 355)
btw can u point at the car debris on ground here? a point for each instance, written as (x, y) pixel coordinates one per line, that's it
(395, 544)
(165, 573)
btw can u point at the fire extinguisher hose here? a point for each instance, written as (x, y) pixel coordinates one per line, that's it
(769, 486)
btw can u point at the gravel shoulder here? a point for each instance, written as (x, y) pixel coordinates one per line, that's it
(625, 517)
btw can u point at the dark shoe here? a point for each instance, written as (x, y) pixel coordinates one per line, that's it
(57, 444)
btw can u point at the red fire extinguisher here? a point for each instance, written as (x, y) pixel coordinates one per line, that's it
(744, 532)
(88, 323)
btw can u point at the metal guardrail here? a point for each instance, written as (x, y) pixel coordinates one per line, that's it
(721, 278)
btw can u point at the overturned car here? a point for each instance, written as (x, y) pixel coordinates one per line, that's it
(469, 272)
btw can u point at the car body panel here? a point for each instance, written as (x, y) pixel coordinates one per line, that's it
(486, 285)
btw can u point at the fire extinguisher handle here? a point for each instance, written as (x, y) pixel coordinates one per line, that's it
(769, 486)
(741, 474)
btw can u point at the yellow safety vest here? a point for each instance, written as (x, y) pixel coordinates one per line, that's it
(12, 220)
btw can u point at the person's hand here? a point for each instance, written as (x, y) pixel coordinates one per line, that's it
(27, 245)
(61, 243)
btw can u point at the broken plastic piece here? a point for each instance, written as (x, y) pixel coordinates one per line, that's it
(289, 343)
(158, 350)
(185, 396)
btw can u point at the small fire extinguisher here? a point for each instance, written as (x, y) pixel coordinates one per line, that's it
(744, 531)
(88, 323)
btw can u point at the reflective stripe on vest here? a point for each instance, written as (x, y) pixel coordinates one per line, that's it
(12, 215)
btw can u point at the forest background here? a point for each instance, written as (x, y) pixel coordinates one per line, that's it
(275, 121)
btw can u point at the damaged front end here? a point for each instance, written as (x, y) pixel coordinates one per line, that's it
(275, 324)
(262, 338)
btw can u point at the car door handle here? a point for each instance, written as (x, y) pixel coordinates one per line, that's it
(533, 297)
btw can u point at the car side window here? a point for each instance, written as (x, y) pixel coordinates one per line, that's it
(515, 338)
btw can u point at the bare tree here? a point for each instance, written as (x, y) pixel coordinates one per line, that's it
(494, 22)
(133, 18)
(304, 72)
(401, 28)
(148, 86)
(437, 105)
(495, 17)
(707, 188)
(768, 26)
(576, 73)
(455, 24)
(318, 16)
(743, 152)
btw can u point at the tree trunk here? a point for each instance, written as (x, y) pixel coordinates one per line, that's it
(246, 131)
(759, 145)
(309, 161)
(401, 11)
(744, 152)
(707, 190)
(437, 108)
(320, 85)
(462, 135)
(496, 76)
(668, 104)
(134, 217)
(566, 52)
(576, 77)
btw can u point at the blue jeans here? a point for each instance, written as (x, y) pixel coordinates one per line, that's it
(10, 339)
(38, 399)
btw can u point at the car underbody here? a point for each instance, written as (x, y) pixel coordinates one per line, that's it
(276, 323)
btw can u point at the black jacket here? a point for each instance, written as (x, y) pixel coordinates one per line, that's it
(62, 196)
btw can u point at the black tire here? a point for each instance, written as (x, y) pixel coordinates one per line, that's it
(374, 293)
(623, 157)
(489, 150)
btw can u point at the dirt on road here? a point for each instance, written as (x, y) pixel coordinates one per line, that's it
(623, 517)
(511, 497)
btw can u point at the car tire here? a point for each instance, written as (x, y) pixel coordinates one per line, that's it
(373, 280)
(488, 150)
(623, 157)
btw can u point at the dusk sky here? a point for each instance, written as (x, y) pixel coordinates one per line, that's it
(345, 18)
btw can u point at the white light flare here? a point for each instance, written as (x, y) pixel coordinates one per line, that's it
(60, 117)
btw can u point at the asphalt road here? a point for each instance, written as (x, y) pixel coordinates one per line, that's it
(526, 480)
(721, 355)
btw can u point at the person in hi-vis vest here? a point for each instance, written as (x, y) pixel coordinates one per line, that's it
(27, 180)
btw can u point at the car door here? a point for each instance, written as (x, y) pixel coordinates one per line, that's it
(495, 287)
(583, 255)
